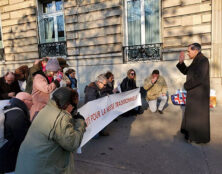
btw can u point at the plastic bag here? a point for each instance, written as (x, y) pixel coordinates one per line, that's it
(213, 100)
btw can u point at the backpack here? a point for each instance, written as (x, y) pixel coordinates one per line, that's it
(2, 121)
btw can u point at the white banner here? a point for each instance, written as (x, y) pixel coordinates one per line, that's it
(99, 113)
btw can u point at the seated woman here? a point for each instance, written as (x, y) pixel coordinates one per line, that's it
(129, 82)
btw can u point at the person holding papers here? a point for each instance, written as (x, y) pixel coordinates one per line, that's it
(94, 91)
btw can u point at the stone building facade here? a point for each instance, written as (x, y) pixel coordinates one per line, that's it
(100, 35)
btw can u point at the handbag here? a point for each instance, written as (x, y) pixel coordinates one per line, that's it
(179, 98)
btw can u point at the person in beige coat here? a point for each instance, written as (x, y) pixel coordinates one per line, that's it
(42, 87)
(54, 135)
(156, 90)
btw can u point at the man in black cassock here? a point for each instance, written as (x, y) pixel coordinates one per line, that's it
(196, 121)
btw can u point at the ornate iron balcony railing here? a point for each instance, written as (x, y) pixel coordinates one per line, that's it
(142, 52)
(52, 49)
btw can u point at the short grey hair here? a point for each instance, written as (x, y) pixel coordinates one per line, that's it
(101, 78)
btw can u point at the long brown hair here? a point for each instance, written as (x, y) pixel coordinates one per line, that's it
(129, 71)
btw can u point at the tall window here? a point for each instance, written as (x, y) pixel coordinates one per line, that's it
(51, 21)
(142, 21)
(51, 28)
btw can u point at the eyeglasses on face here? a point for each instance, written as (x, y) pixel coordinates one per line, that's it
(133, 74)
(103, 83)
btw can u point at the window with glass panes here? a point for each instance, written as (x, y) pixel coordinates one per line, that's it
(51, 21)
(142, 22)
(142, 30)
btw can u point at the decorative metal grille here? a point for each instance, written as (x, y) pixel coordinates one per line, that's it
(52, 49)
(142, 52)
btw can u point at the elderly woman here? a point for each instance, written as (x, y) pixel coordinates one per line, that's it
(129, 82)
(42, 86)
(50, 142)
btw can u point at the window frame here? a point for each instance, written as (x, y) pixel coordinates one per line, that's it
(54, 14)
(142, 5)
(141, 50)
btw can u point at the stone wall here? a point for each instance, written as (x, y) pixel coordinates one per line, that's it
(185, 22)
(19, 31)
(93, 31)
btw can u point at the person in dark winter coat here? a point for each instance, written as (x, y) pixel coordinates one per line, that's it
(9, 87)
(196, 120)
(93, 90)
(129, 82)
(16, 126)
(109, 88)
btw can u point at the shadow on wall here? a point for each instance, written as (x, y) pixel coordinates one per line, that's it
(18, 41)
(5, 69)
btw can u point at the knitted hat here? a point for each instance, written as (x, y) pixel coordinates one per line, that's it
(52, 65)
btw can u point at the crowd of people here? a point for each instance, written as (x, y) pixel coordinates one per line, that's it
(45, 92)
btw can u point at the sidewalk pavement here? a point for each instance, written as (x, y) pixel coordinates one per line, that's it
(152, 144)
